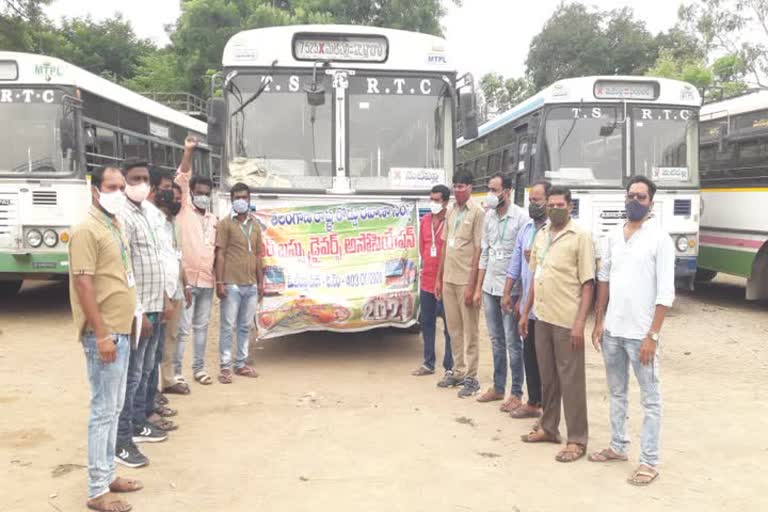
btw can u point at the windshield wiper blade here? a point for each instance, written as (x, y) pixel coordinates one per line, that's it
(256, 94)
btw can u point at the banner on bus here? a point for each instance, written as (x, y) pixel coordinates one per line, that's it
(344, 267)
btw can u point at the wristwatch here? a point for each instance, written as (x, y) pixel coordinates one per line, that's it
(654, 336)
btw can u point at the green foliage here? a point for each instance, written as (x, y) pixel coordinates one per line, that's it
(498, 94)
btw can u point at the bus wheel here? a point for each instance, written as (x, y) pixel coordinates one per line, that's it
(9, 288)
(705, 276)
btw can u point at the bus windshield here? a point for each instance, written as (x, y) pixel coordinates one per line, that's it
(400, 132)
(666, 145)
(32, 142)
(583, 146)
(279, 140)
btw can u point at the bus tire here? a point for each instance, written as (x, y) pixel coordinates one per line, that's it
(10, 288)
(704, 276)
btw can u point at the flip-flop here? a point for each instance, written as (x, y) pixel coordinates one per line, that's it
(606, 455)
(121, 484)
(534, 437)
(180, 388)
(165, 412)
(202, 377)
(165, 425)
(103, 504)
(567, 455)
(246, 371)
(524, 411)
(649, 473)
(225, 377)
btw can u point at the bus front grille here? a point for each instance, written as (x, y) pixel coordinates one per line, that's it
(44, 198)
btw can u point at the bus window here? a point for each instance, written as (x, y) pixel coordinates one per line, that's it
(521, 182)
(509, 161)
(106, 142)
(494, 163)
(481, 172)
(134, 147)
(159, 157)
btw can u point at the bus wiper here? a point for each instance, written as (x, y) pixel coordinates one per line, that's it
(253, 98)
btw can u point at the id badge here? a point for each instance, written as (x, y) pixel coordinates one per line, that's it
(500, 256)
(130, 279)
(433, 251)
(451, 243)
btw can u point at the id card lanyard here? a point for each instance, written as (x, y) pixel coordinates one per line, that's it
(435, 234)
(123, 252)
(247, 234)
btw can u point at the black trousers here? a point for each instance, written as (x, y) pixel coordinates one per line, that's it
(532, 377)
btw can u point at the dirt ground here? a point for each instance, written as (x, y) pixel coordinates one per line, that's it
(337, 423)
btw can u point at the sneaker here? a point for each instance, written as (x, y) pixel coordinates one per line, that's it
(449, 380)
(148, 433)
(471, 386)
(130, 456)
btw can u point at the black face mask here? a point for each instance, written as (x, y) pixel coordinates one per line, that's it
(537, 212)
(166, 199)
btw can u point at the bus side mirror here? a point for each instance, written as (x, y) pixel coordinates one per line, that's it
(722, 134)
(468, 114)
(217, 121)
(67, 131)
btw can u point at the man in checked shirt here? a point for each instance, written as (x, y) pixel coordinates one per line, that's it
(148, 272)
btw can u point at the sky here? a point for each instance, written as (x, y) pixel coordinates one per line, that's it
(483, 35)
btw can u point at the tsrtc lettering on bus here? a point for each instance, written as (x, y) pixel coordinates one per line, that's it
(27, 96)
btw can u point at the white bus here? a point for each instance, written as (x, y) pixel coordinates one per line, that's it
(57, 123)
(592, 134)
(734, 181)
(331, 116)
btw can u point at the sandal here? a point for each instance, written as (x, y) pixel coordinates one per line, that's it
(225, 377)
(161, 399)
(606, 455)
(643, 476)
(165, 412)
(571, 453)
(121, 484)
(539, 436)
(246, 371)
(526, 411)
(421, 371)
(510, 404)
(202, 377)
(164, 425)
(180, 388)
(108, 503)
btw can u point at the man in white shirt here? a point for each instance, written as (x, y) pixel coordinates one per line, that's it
(637, 285)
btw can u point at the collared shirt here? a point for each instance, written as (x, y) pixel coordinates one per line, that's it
(561, 264)
(198, 238)
(498, 243)
(145, 255)
(170, 252)
(242, 248)
(641, 273)
(519, 269)
(430, 239)
(98, 248)
(463, 235)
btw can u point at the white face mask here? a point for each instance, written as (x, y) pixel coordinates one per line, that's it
(492, 201)
(201, 202)
(435, 207)
(137, 193)
(112, 202)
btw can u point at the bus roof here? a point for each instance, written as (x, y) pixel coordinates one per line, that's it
(406, 51)
(757, 100)
(33, 69)
(575, 90)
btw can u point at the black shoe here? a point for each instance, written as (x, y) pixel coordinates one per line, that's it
(130, 456)
(449, 381)
(471, 386)
(148, 433)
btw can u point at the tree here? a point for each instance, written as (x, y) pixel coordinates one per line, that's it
(23, 24)
(159, 71)
(498, 94)
(579, 41)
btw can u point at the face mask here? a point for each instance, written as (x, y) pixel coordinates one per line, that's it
(461, 196)
(202, 202)
(240, 206)
(635, 210)
(536, 211)
(492, 201)
(435, 207)
(137, 193)
(558, 216)
(112, 202)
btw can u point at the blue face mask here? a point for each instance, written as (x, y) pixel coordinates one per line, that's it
(240, 206)
(635, 210)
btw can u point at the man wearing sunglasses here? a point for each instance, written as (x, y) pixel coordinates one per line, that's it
(636, 284)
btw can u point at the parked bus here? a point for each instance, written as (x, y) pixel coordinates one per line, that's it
(59, 122)
(339, 131)
(592, 134)
(734, 181)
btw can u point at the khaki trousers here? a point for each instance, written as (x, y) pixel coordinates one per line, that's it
(463, 327)
(167, 371)
(562, 379)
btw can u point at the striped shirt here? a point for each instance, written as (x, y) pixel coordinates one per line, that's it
(146, 257)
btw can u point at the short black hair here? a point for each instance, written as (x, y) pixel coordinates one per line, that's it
(201, 180)
(559, 190)
(97, 177)
(545, 184)
(157, 176)
(443, 191)
(506, 180)
(462, 177)
(239, 187)
(645, 181)
(132, 163)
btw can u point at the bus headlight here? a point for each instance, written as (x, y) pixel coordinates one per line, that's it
(682, 243)
(50, 238)
(34, 238)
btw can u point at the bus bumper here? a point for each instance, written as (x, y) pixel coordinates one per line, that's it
(34, 265)
(685, 266)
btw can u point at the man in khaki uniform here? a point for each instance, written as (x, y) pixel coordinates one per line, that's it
(563, 265)
(456, 282)
(103, 298)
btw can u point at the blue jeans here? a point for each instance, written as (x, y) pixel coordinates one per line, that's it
(431, 309)
(238, 309)
(197, 315)
(139, 368)
(505, 343)
(107, 382)
(618, 353)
